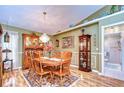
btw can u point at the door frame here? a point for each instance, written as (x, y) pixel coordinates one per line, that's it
(102, 40)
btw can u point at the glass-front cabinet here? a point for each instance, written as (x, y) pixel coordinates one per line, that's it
(85, 53)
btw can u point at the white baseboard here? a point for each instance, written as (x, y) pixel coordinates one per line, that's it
(96, 71)
(74, 66)
(17, 68)
(100, 73)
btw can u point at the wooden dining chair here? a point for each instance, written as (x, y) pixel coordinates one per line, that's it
(66, 55)
(39, 69)
(56, 55)
(64, 70)
(31, 64)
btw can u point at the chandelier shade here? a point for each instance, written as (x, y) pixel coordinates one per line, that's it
(44, 38)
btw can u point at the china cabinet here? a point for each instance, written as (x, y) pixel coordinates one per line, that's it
(30, 41)
(85, 53)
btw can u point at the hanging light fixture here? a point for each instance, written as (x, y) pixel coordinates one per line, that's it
(44, 37)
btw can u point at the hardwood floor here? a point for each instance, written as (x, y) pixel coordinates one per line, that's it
(14, 79)
(92, 79)
(87, 79)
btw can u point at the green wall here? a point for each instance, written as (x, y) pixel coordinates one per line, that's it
(92, 30)
(20, 32)
(75, 33)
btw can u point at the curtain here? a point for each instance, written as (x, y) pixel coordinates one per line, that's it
(13, 46)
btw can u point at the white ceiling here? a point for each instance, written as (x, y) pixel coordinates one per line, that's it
(57, 19)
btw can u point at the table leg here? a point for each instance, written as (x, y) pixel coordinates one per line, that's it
(11, 65)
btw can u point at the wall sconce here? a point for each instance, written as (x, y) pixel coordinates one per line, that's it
(1, 31)
(83, 31)
(6, 37)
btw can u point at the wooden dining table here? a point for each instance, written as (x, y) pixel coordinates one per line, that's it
(51, 61)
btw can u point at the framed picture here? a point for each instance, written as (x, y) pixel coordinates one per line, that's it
(68, 42)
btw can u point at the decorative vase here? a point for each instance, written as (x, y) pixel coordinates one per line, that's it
(49, 54)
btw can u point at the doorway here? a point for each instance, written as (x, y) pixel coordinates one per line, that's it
(113, 51)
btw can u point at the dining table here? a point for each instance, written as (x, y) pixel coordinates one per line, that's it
(53, 62)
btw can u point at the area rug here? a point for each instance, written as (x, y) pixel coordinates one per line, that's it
(46, 82)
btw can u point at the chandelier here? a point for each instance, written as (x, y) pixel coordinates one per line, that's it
(44, 37)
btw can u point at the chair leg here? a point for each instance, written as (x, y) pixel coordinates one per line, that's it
(51, 76)
(34, 75)
(29, 72)
(41, 81)
(68, 76)
(61, 82)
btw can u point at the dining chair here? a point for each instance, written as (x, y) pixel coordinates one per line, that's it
(39, 69)
(30, 60)
(65, 55)
(64, 70)
(56, 55)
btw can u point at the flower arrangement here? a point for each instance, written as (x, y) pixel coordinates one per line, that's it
(49, 48)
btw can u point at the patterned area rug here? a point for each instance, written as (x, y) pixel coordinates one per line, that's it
(46, 82)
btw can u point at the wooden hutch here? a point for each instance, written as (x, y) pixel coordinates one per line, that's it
(85, 53)
(30, 41)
